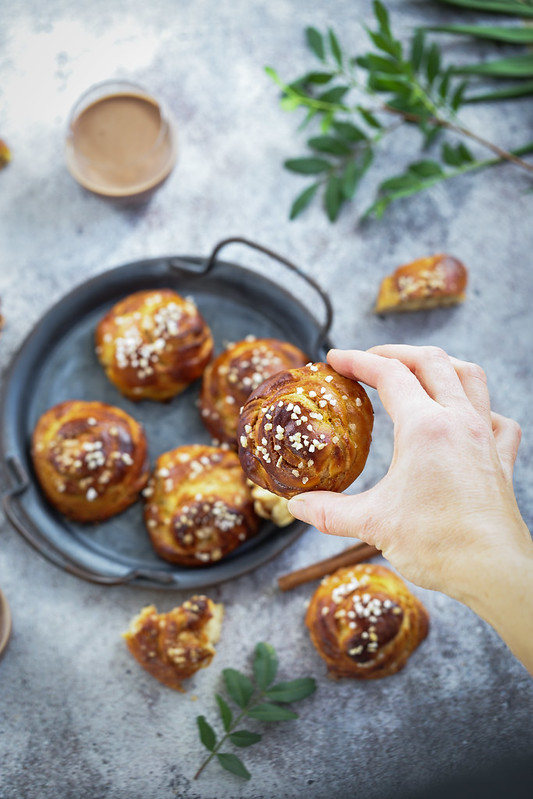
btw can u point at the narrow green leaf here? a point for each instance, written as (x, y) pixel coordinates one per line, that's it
(318, 77)
(519, 9)
(522, 89)
(333, 197)
(417, 49)
(457, 98)
(380, 83)
(330, 145)
(390, 46)
(513, 67)
(349, 131)
(425, 169)
(369, 118)
(207, 733)
(382, 17)
(405, 181)
(433, 63)
(326, 122)
(303, 200)
(315, 42)
(238, 686)
(451, 155)
(307, 166)
(234, 764)
(465, 153)
(265, 663)
(225, 712)
(289, 103)
(387, 65)
(270, 712)
(444, 84)
(350, 179)
(292, 691)
(335, 47)
(514, 35)
(245, 738)
(334, 96)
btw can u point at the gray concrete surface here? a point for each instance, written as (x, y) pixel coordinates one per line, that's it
(78, 718)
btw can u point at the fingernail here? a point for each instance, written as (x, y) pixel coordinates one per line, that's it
(297, 506)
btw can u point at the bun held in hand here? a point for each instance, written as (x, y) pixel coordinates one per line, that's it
(305, 429)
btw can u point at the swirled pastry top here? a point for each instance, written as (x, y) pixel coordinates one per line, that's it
(199, 507)
(91, 459)
(175, 645)
(364, 622)
(229, 380)
(153, 344)
(426, 283)
(305, 429)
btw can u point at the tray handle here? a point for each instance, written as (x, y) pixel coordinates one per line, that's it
(11, 508)
(324, 330)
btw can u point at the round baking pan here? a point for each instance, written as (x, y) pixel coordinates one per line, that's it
(57, 362)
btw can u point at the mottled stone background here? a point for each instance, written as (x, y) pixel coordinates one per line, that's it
(77, 716)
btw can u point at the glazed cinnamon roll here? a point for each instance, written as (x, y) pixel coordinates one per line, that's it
(305, 429)
(175, 645)
(153, 344)
(229, 380)
(364, 622)
(426, 283)
(91, 459)
(199, 507)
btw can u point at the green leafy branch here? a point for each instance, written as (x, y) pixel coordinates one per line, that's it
(350, 96)
(256, 698)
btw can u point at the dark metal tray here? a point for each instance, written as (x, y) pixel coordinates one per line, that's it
(57, 362)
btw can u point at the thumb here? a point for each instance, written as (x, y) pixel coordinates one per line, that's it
(349, 515)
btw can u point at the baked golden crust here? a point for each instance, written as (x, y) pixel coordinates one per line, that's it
(153, 344)
(199, 507)
(175, 645)
(426, 283)
(91, 459)
(229, 380)
(364, 622)
(305, 429)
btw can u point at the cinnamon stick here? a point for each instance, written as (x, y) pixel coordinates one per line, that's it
(315, 571)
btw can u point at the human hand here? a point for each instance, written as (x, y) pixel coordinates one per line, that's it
(446, 510)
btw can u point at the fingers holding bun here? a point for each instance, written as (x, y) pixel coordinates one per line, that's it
(153, 344)
(305, 429)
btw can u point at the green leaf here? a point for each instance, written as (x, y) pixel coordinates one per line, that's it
(335, 47)
(425, 169)
(207, 733)
(245, 738)
(444, 84)
(349, 131)
(265, 663)
(522, 89)
(330, 145)
(387, 65)
(238, 686)
(508, 7)
(270, 712)
(380, 83)
(465, 153)
(514, 35)
(433, 63)
(292, 691)
(417, 49)
(382, 17)
(369, 118)
(350, 179)
(451, 155)
(520, 66)
(289, 103)
(225, 712)
(404, 181)
(315, 42)
(318, 77)
(307, 166)
(457, 98)
(334, 96)
(333, 197)
(302, 200)
(234, 764)
(326, 122)
(390, 46)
